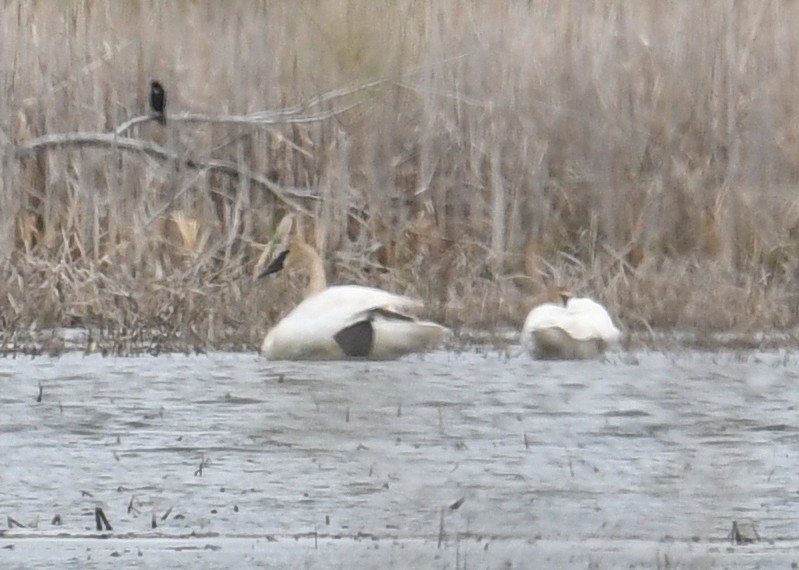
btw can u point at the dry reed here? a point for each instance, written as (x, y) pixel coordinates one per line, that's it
(466, 152)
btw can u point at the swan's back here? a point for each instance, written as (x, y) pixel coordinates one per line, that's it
(339, 302)
(581, 328)
(589, 319)
(545, 315)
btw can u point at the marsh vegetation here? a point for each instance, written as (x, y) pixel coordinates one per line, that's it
(466, 153)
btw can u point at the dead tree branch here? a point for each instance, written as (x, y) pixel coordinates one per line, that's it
(113, 142)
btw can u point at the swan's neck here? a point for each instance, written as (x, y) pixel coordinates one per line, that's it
(548, 296)
(316, 271)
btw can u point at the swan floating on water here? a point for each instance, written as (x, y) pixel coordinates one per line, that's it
(568, 328)
(344, 321)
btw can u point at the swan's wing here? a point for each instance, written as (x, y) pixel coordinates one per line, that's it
(357, 339)
(343, 302)
(544, 316)
(385, 333)
(589, 319)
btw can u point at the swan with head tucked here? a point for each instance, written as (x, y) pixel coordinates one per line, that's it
(568, 328)
(344, 321)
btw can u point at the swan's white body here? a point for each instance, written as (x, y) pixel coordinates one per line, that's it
(345, 321)
(309, 331)
(579, 329)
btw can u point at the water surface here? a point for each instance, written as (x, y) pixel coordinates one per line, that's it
(434, 457)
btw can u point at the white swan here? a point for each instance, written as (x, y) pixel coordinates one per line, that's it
(568, 328)
(344, 321)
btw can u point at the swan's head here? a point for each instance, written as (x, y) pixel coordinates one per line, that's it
(277, 264)
(562, 294)
(298, 255)
(554, 295)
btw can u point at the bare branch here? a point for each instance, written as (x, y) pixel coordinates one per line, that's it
(290, 115)
(113, 142)
(130, 123)
(262, 118)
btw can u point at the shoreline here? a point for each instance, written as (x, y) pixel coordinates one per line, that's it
(54, 342)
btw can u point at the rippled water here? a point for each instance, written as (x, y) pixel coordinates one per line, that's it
(434, 457)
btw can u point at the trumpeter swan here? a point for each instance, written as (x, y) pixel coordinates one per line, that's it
(343, 321)
(568, 328)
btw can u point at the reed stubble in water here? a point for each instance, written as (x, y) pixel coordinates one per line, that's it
(100, 520)
(478, 161)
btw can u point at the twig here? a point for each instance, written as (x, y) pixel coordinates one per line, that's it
(457, 504)
(736, 536)
(130, 123)
(203, 464)
(131, 507)
(186, 187)
(100, 519)
(441, 529)
(262, 118)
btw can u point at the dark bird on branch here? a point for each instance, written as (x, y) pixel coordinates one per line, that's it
(158, 101)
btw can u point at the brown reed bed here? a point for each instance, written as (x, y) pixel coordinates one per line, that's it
(469, 153)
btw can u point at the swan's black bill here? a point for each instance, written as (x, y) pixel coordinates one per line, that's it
(276, 264)
(158, 101)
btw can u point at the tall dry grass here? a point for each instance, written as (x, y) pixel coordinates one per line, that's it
(468, 152)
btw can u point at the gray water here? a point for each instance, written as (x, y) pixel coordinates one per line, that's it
(450, 460)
